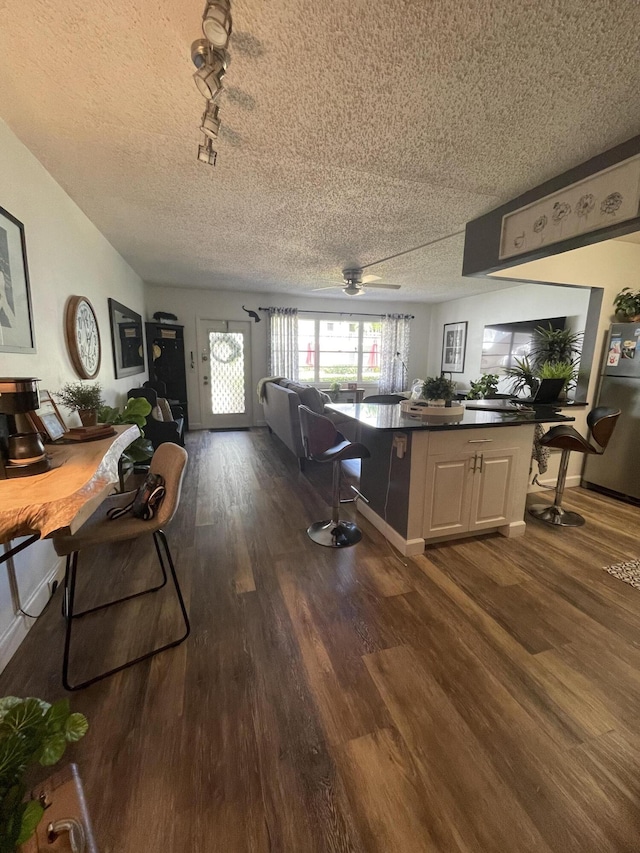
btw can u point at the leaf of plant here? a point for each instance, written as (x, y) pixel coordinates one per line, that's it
(76, 727)
(28, 713)
(30, 819)
(137, 406)
(57, 715)
(53, 749)
(6, 703)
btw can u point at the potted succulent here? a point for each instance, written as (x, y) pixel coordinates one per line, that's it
(627, 305)
(32, 732)
(485, 387)
(439, 390)
(83, 397)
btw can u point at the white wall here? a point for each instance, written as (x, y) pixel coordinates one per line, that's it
(189, 305)
(67, 256)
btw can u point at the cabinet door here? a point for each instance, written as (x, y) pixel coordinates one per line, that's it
(449, 493)
(491, 502)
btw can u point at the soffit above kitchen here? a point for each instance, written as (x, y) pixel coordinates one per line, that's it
(351, 132)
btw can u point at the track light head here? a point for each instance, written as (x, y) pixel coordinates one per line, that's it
(208, 77)
(216, 22)
(210, 124)
(206, 153)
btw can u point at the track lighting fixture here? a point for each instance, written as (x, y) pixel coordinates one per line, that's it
(209, 75)
(206, 153)
(210, 125)
(216, 22)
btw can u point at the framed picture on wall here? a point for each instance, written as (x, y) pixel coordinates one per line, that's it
(16, 321)
(454, 345)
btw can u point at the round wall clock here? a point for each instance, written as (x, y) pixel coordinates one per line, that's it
(83, 337)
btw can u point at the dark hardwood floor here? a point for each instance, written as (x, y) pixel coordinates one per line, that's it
(482, 697)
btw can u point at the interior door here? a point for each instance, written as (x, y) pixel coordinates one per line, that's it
(224, 372)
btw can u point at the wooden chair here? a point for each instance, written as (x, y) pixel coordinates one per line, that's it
(169, 461)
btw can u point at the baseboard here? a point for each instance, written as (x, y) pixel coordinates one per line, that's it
(570, 483)
(21, 625)
(407, 547)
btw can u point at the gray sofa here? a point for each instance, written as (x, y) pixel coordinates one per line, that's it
(280, 400)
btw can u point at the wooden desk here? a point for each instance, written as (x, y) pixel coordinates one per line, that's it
(81, 476)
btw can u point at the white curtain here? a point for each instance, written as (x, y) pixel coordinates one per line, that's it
(283, 342)
(394, 353)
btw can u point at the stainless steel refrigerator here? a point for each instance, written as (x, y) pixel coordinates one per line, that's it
(618, 469)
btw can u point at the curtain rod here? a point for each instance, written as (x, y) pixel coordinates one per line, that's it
(341, 313)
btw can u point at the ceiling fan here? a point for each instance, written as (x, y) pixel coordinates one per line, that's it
(355, 284)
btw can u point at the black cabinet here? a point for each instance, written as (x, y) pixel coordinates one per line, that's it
(165, 357)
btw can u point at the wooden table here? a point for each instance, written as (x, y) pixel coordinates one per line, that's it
(82, 474)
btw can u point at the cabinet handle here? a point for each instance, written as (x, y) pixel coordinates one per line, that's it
(479, 440)
(475, 459)
(77, 838)
(481, 462)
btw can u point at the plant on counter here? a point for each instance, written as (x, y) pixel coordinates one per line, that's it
(438, 388)
(484, 388)
(135, 412)
(627, 305)
(558, 370)
(523, 376)
(31, 732)
(83, 397)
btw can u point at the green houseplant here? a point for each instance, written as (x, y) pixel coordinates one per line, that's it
(135, 412)
(485, 387)
(554, 345)
(32, 732)
(438, 388)
(627, 305)
(83, 397)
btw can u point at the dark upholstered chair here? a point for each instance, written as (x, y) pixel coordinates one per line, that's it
(386, 399)
(601, 422)
(161, 390)
(323, 443)
(169, 461)
(156, 431)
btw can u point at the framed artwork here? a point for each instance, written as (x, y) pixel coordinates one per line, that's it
(47, 418)
(454, 345)
(16, 319)
(126, 339)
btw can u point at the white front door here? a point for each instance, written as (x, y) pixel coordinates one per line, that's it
(224, 348)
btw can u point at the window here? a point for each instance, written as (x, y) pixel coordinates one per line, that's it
(339, 351)
(505, 342)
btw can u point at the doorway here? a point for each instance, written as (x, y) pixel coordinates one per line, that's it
(225, 363)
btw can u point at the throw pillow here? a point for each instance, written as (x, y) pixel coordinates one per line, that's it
(165, 408)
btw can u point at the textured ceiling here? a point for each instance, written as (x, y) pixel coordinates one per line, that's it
(352, 131)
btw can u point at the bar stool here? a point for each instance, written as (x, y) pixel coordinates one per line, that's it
(169, 460)
(323, 443)
(601, 421)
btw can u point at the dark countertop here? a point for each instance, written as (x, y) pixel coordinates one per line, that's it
(385, 417)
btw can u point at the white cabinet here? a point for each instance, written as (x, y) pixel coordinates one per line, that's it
(471, 481)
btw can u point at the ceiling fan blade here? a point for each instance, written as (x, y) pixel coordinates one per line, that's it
(385, 286)
(369, 278)
(326, 287)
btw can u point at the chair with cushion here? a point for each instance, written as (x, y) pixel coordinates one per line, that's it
(169, 461)
(385, 399)
(161, 424)
(323, 443)
(161, 390)
(601, 422)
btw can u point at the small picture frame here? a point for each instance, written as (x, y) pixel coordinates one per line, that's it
(47, 418)
(454, 345)
(352, 386)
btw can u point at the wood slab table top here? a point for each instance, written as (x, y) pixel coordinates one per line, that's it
(82, 474)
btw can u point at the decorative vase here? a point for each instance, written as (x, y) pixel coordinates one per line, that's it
(89, 417)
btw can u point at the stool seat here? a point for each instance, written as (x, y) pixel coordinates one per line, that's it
(601, 421)
(323, 443)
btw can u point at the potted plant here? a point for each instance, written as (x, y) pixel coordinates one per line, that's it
(439, 390)
(83, 397)
(558, 370)
(135, 412)
(554, 345)
(523, 376)
(485, 387)
(32, 732)
(627, 305)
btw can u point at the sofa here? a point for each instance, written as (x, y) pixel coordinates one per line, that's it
(280, 399)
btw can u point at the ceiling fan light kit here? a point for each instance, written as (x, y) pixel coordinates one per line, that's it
(210, 57)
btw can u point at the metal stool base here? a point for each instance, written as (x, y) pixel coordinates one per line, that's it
(332, 535)
(552, 514)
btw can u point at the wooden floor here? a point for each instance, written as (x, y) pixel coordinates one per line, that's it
(483, 697)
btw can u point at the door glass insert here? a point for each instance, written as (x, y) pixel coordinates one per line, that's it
(226, 360)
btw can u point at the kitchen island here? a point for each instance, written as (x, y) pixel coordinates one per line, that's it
(433, 479)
